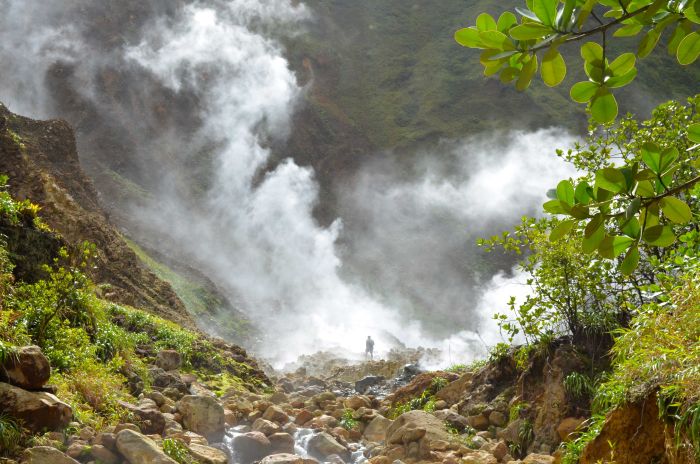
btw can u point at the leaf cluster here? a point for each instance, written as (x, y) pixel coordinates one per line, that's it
(518, 45)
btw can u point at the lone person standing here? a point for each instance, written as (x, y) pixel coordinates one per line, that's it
(369, 347)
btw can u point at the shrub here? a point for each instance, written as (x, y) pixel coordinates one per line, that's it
(10, 435)
(177, 450)
(347, 421)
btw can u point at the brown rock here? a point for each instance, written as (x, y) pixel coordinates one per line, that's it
(275, 414)
(207, 455)
(324, 445)
(376, 430)
(37, 410)
(265, 426)
(499, 449)
(104, 455)
(479, 422)
(479, 457)
(543, 459)
(29, 370)
(281, 443)
(454, 391)
(138, 449)
(357, 402)
(637, 432)
(168, 360)
(251, 447)
(568, 426)
(282, 458)
(303, 417)
(45, 455)
(152, 420)
(203, 415)
(498, 419)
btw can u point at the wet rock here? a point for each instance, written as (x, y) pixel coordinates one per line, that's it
(281, 443)
(303, 417)
(275, 414)
(409, 371)
(265, 427)
(361, 386)
(545, 459)
(376, 430)
(323, 421)
(207, 455)
(203, 415)
(45, 455)
(324, 445)
(37, 410)
(251, 447)
(138, 449)
(168, 360)
(30, 369)
(282, 458)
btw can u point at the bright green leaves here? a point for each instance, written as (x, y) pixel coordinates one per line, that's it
(611, 179)
(603, 106)
(689, 49)
(519, 46)
(563, 228)
(676, 210)
(631, 261)
(553, 67)
(694, 133)
(659, 235)
(613, 246)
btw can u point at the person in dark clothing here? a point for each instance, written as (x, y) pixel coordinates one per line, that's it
(369, 347)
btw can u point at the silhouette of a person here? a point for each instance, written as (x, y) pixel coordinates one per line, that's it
(369, 347)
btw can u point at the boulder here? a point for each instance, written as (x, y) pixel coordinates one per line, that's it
(45, 455)
(265, 426)
(478, 421)
(479, 457)
(453, 392)
(568, 426)
(203, 415)
(103, 455)
(499, 449)
(30, 369)
(152, 420)
(303, 417)
(207, 455)
(275, 414)
(279, 398)
(376, 430)
(138, 449)
(453, 419)
(37, 410)
(545, 459)
(250, 447)
(281, 443)
(324, 445)
(498, 419)
(357, 402)
(168, 360)
(417, 426)
(282, 458)
(364, 384)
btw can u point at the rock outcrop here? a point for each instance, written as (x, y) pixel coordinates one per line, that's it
(38, 411)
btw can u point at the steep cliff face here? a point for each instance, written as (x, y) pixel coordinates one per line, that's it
(41, 160)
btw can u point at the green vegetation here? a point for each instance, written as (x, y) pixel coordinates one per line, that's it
(177, 450)
(511, 47)
(93, 344)
(347, 421)
(10, 435)
(425, 401)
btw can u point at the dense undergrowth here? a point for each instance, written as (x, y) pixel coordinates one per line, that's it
(93, 345)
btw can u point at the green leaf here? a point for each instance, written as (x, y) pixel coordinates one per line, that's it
(469, 37)
(485, 22)
(554, 207)
(648, 43)
(613, 246)
(591, 242)
(582, 92)
(667, 158)
(683, 29)
(592, 52)
(580, 212)
(506, 21)
(661, 236)
(610, 179)
(546, 10)
(651, 155)
(622, 64)
(603, 106)
(629, 30)
(564, 15)
(592, 226)
(527, 13)
(529, 70)
(583, 192)
(553, 67)
(620, 81)
(529, 31)
(694, 132)
(692, 12)
(646, 189)
(563, 228)
(631, 261)
(496, 39)
(565, 192)
(676, 210)
(689, 49)
(631, 227)
(633, 208)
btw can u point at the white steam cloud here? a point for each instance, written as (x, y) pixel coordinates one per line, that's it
(403, 251)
